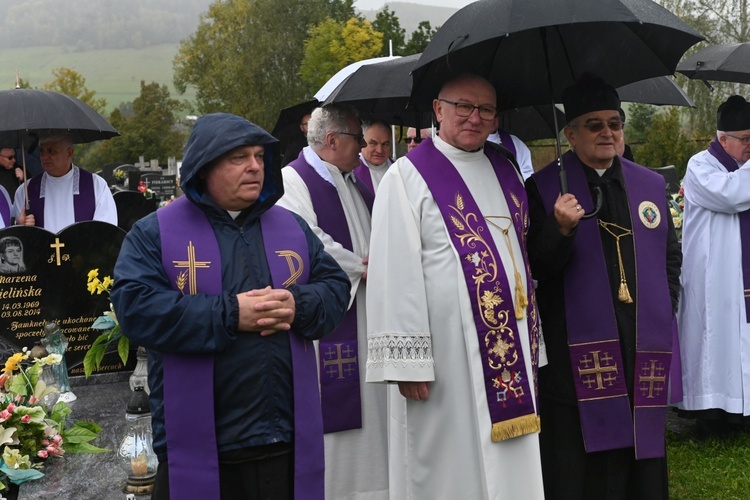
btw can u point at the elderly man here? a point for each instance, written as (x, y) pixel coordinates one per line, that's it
(714, 319)
(225, 290)
(63, 194)
(413, 140)
(11, 174)
(321, 187)
(456, 325)
(374, 159)
(608, 289)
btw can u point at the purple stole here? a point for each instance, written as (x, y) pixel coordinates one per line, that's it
(506, 141)
(84, 203)
(507, 386)
(5, 210)
(593, 338)
(194, 463)
(363, 174)
(338, 361)
(718, 152)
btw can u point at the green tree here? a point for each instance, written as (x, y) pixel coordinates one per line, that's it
(387, 23)
(71, 82)
(244, 57)
(149, 130)
(333, 45)
(420, 38)
(668, 142)
(341, 10)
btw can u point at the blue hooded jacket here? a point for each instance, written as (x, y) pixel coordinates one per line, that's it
(253, 403)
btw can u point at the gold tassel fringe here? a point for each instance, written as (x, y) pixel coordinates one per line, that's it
(522, 302)
(624, 294)
(515, 427)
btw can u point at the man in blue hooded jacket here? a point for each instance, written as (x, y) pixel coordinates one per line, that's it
(225, 290)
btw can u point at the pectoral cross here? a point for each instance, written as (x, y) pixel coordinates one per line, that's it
(192, 265)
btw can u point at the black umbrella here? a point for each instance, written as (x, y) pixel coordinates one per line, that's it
(659, 91)
(32, 110)
(531, 50)
(724, 63)
(287, 129)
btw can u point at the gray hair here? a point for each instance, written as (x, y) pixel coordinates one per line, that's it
(329, 118)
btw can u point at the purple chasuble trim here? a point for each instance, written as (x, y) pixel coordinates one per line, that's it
(506, 141)
(5, 210)
(593, 339)
(363, 174)
(717, 151)
(84, 203)
(338, 360)
(507, 389)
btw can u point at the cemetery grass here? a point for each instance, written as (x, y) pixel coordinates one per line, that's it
(113, 74)
(708, 468)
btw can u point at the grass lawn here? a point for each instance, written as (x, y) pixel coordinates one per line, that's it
(712, 468)
(113, 74)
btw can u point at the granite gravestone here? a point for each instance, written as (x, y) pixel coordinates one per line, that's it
(43, 277)
(163, 186)
(132, 206)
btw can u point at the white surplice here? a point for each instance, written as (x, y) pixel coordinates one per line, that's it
(425, 331)
(714, 333)
(376, 171)
(59, 211)
(356, 460)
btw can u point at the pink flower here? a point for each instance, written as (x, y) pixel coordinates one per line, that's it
(33, 400)
(11, 407)
(5, 415)
(51, 449)
(26, 419)
(57, 439)
(42, 454)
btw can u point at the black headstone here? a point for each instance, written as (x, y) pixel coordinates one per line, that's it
(44, 278)
(132, 206)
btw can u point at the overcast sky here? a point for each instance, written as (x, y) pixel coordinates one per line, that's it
(377, 4)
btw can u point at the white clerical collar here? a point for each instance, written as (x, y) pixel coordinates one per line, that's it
(458, 154)
(312, 158)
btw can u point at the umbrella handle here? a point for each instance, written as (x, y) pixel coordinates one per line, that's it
(597, 192)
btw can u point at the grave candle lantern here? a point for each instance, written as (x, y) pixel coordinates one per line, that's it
(136, 453)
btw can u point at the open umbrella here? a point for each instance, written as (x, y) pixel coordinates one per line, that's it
(342, 74)
(724, 63)
(531, 52)
(287, 129)
(659, 91)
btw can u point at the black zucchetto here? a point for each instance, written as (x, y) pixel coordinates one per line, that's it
(589, 94)
(733, 115)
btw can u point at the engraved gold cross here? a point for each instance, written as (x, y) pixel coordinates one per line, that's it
(192, 265)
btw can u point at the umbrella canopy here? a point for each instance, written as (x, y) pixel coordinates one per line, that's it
(31, 110)
(343, 73)
(381, 90)
(532, 52)
(724, 63)
(659, 91)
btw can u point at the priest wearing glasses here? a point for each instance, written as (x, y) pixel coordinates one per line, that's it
(715, 304)
(456, 331)
(608, 290)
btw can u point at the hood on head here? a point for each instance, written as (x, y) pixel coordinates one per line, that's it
(218, 133)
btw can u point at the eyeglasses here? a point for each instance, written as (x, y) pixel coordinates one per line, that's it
(464, 110)
(598, 126)
(744, 140)
(13, 157)
(360, 137)
(408, 140)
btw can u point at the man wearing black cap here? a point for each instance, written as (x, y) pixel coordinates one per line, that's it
(607, 293)
(713, 319)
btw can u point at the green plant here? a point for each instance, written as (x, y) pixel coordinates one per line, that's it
(108, 324)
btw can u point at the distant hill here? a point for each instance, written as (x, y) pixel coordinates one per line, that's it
(115, 44)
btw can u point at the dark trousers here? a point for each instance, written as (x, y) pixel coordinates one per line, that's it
(270, 477)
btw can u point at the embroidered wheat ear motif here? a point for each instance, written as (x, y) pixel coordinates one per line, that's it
(181, 280)
(515, 200)
(459, 202)
(457, 223)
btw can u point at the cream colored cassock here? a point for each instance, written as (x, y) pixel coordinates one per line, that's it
(356, 460)
(714, 333)
(424, 331)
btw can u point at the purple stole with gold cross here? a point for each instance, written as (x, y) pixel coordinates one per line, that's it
(338, 360)
(717, 151)
(84, 200)
(191, 268)
(508, 387)
(593, 338)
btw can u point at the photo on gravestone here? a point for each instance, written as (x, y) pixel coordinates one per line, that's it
(47, 281)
